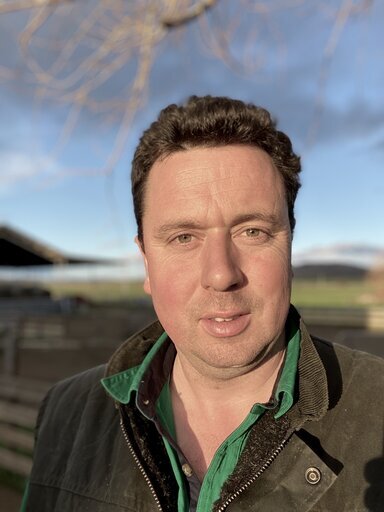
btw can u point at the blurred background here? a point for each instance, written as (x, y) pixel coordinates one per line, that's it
(79, 82)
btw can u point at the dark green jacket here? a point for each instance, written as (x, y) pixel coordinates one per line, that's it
(325, 454)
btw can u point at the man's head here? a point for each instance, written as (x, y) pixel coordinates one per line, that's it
(214, 185)
(206, 122)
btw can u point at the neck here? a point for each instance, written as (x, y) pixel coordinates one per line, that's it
(241, 390)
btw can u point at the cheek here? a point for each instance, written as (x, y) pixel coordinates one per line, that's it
(170, 286)
(171, 295)
(273, 276)
(275, 292)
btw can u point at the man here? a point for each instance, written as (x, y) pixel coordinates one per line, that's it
(227, 403)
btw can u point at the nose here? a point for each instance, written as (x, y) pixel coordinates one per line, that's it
(220, 269)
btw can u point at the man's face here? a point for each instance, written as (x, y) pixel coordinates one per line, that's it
(217, 247)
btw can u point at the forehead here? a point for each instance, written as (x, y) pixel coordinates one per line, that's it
(214, 171)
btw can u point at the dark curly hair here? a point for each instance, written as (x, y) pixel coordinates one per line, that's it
(212, 122)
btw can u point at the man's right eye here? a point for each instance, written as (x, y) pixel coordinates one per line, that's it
(184, 238)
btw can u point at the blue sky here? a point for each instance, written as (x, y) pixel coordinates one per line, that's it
(52, 196)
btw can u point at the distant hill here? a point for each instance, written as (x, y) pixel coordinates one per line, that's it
(329, 271)
(356, 256)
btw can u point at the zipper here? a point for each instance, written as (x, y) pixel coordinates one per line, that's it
(265, 466)
(142, 470)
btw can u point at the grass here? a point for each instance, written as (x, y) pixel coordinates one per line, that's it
(310, 293)
(98, 291)
(333, 293)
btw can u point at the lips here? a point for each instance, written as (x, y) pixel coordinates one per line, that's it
(225, 325)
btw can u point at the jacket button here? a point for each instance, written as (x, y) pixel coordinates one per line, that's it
(313, 475)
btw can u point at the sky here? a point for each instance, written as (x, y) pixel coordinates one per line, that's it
(330, 104)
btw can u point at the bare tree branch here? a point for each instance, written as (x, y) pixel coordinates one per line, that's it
(7, 6)
(76, 50)
(191, 14)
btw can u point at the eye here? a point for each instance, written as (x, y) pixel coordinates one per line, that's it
(254, 235)
(184, 238)
(252, 232)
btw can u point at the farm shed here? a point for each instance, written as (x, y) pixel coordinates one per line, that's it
(20, 250)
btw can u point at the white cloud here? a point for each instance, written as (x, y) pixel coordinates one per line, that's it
(366, 256)
(17, 168)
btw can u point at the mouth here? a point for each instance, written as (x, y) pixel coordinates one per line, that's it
(220, 319)
(225, 325)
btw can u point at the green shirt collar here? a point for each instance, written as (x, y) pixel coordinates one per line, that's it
(120, 386)
(285, 391)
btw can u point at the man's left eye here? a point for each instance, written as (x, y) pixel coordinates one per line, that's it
(255, 235)
(252, 232)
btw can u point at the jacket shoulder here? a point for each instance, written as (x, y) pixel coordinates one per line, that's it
(349, 356)
(71, 392)
(81, 382)
(74, 417)
(354, 378)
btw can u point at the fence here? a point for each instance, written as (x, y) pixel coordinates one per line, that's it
(19, 401)
(370, 319)
(94, 328)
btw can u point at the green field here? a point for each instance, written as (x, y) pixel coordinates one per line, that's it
(332, 293)
(97, 291)
(306, 293)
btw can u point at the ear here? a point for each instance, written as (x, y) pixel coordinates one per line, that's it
(146, 284)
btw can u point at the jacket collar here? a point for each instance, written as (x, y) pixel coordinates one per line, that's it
(132, 352)
(313, 399)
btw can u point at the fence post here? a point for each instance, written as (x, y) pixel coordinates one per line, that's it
(11, 348)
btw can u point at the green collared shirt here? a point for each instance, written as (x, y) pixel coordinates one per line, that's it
(148, 385)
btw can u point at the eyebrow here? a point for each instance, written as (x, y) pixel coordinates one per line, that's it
(269, 218)
(188, 224)
(183, 225)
